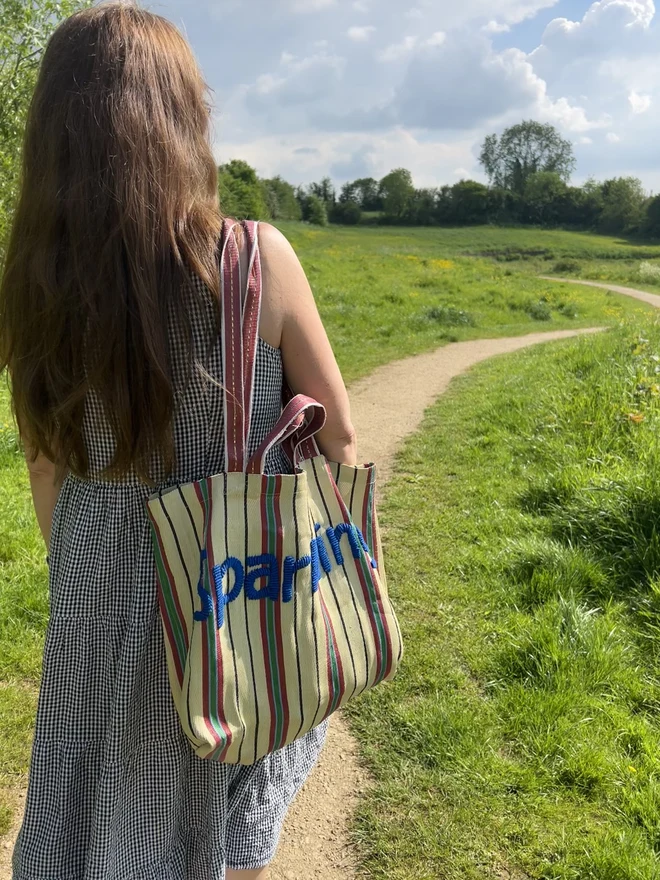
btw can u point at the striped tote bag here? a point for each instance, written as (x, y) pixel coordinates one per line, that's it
(272, 591)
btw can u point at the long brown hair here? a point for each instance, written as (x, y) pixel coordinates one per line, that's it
(118, 205)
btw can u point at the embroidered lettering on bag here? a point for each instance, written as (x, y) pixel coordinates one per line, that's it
(266, 566)
(270, 569)
(291, 566)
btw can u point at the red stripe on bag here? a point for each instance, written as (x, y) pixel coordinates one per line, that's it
(264, 611)
(207, 659)
(251, 315)
(218, 641)
(232, 352)
(335, 693)
(278, 618)
(178, 660)
(363, 582)
(367, 507)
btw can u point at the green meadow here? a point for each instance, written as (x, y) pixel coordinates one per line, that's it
(521, 738)
(522, 558)
(389, 292)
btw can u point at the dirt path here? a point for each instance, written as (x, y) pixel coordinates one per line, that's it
(645, 296)
(387, 406)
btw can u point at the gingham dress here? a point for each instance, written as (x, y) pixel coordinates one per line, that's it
(115, 790)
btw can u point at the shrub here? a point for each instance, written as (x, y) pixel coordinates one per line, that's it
(539, 311)
(568, 309)
(317, 213)
(650, 272)
(449, 316)
(567, 267)
(348, 213)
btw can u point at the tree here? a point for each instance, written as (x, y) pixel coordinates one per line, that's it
(325, 191)
(624, 204)
(523, 150)
(469, 203)
(396, 191)
(280, 198)
(652, 225)
(317, 212)
(422, 207)
(346, 212)
(240, 192)
(543, 193)
(25, 26)
(366, 189)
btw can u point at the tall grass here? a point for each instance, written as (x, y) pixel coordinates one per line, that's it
(522, 737)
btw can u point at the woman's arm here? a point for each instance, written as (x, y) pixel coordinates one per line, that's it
(45, 489)
(290, 321)
(44, 484)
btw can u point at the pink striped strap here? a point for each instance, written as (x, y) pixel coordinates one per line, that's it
(301, 419)
(240, 331)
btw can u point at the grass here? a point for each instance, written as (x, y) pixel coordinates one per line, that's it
(23, 611)
(383, 294)
(521, 736)
(386, 293)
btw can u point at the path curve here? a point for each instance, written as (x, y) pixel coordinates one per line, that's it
(386, 406)
(651, 298)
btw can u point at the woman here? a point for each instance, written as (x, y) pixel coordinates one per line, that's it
(109, 330)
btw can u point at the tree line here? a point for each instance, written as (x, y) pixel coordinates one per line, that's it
(528, 168)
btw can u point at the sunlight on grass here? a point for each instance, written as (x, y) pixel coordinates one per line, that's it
(524, 562)
(388, 292)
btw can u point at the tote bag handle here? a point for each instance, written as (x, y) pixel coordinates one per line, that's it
(302, 416)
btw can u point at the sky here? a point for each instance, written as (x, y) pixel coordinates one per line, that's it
(355, 88)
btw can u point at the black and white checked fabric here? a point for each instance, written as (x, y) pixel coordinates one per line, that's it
(115, 790)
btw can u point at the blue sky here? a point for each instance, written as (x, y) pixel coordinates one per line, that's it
(350, 88)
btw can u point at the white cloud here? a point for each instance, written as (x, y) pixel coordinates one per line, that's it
(267, 83)
(303, 82)
(337, 108)
(360, 34)
(309, 155)
(639, 103)
(495, 27)
(436, 39)
(310, 5)
(398, 50)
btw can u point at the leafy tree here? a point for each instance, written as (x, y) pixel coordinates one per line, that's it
(25, 26)
(317, 212)
(349, 193)
(504, 206)
(422, 207)
(240, 192)
(346, 212)
(624, 205)
(543, 193)
(280, 199)
(367, 194)
(523, 150)
(469, 203)
(325, 191)
(580, 207)
(652, 225)
(396, 191)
